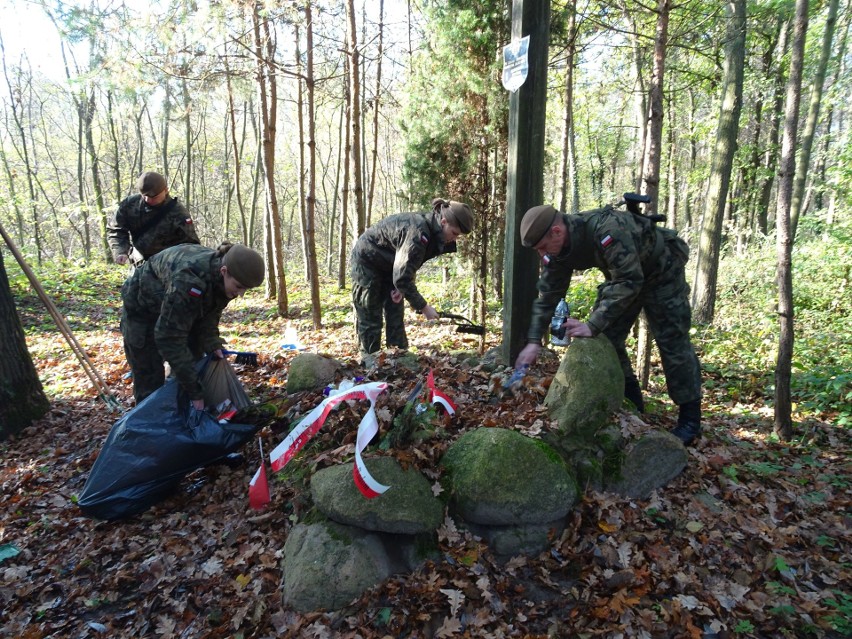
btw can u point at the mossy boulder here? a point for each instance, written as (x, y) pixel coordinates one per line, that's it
(499, 477)
(309, 371)
(588, 387)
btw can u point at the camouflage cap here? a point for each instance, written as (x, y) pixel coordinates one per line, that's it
(245, 265)
(536, 223)
(151, 184)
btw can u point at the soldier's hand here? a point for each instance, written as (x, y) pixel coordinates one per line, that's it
(396, 296)
(528, 355)
(121, 259)
(576, 328)
(429, 313)
(198, 404)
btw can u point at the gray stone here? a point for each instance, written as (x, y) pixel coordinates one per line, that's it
(523, 539)
(649, 463)
(407, 507)
(587, 388)
(327, 565)
(500, 477)
(311, 372)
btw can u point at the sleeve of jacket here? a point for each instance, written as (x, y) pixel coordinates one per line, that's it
(117, 233)
(621, 261)
(410, 257)
(552, 287)
(182, 308)
(184, 225)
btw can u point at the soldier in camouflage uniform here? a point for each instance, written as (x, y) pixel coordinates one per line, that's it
(148, 222)
(172, 306)
(384, 264)
(643, 267)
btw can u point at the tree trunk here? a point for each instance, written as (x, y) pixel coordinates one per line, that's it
(344, 204)
(704, 296)
(310, 210)
(22, 397)
(784, 235)
(268, 98)
(654, 126)
(771, 153)
(301, 171)
(355, 98)
(569, 181)
(232, 119)
(804, 157)
(94, 167)
(376, 102)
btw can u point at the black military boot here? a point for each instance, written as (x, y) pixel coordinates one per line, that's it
(633, 392)
(688, 427)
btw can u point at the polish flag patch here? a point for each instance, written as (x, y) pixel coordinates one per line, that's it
(195, 292)
(424, 239)
(188, 220)
(606, 241)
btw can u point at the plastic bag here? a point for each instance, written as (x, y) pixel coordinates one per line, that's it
(151, 448)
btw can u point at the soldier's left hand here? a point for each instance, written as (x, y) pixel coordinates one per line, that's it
(576, 328)
(396, 296)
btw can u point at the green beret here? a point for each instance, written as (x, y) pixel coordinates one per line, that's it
(245, 265)
(151, 184)
(536, 223)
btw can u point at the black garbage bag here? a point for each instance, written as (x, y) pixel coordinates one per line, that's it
(152, 447)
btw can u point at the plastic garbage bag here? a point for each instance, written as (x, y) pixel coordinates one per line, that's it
(152, 447)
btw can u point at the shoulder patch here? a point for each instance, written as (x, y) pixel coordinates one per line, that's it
(424, 239)
(188, 220)
(195, 292)
(606, 241)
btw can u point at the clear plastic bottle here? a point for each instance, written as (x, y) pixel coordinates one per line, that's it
(557, 331)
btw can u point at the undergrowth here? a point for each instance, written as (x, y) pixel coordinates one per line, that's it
(738, 351)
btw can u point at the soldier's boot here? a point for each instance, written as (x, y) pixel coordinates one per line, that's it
(633, 392)
(688, 427)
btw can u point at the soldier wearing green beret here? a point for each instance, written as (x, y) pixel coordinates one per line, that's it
(643, 267)
(384, 263)
(148, 222)
(172, 307)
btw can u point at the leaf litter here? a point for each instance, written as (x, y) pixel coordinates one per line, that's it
(752, 539)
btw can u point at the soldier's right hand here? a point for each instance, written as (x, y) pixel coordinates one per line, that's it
(198, 404)
(121, 259)
(429, 313)
(528, 355)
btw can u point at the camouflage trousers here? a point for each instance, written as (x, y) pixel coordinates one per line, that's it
(140, 349)
(372, 304)
(665, 300)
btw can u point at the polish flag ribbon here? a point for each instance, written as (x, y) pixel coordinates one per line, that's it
(438, 397)
(313, 421)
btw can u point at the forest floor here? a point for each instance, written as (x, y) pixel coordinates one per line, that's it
(751, 540)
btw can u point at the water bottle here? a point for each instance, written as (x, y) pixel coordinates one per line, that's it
(557, 330)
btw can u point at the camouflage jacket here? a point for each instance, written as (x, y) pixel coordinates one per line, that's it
(149, 229)
(629, 249)
(397, 247)
(181, 291)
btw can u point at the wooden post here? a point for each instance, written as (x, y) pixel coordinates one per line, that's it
(525, 172)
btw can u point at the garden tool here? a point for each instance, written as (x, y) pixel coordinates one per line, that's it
(463, 325)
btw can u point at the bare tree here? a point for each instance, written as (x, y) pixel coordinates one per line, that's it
(355, 97)
(704, 295)
(783, 227)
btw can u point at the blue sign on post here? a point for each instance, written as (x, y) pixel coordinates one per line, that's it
(516, 63)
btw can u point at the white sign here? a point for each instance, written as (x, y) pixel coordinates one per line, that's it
(516, 63)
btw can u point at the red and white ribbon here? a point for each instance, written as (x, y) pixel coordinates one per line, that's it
(437, 397)
(313, 421)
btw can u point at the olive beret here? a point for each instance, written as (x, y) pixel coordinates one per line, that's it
(535, 224)
(456, 213)
(151, 184)
(245, 265)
